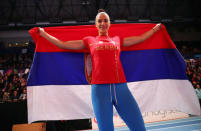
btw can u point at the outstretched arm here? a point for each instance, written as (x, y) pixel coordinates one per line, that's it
(129, 41)
(75, 44)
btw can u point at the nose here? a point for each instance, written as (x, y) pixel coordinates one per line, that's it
(102, 23)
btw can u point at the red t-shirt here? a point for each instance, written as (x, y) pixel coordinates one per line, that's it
(105, 55)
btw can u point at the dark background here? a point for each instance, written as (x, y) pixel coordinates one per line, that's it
(182, 19)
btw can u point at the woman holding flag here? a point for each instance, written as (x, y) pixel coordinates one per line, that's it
(108, 80)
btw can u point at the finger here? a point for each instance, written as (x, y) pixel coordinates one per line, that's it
(41, 29)
(160, 25)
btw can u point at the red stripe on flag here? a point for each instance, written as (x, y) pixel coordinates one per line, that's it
(160, 40)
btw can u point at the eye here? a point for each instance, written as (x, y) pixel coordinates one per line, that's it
(99, 21)
(105, 20)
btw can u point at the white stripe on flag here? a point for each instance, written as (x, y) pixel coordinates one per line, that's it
(65, 102)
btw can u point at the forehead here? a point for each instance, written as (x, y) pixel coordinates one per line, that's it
(102, 16)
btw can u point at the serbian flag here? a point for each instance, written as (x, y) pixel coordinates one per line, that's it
(59, 80)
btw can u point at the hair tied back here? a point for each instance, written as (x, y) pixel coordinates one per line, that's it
(101, 10)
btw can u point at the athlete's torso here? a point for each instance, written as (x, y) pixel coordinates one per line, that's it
(105, 55)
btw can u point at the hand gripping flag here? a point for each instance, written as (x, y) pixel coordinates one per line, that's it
(58, 87)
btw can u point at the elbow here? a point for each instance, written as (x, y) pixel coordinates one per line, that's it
(133, 41)
(130, 43)
(127, 43)
(61, 45)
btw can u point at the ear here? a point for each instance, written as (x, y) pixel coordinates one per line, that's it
(96, 25)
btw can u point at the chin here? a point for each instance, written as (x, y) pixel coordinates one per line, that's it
(104, 31)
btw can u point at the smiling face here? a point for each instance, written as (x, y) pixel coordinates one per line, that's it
(102, 23)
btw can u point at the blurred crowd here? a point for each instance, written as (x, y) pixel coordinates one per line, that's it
(14, 70)
(193, 71)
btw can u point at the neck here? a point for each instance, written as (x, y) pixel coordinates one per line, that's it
(103, 33)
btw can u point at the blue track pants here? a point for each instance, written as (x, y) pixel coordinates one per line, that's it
(104, 96)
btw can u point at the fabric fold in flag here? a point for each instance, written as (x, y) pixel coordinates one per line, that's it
(58, 87)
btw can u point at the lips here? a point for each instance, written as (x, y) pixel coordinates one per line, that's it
(103, 28)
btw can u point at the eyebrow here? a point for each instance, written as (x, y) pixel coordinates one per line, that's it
(103, 19)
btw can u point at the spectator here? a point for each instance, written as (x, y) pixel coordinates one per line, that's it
(14, 96)
(198, 92)
(6, 97)
(23, 96)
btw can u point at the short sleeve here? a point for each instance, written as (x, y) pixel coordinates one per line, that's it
(121, 41)
(86, 42)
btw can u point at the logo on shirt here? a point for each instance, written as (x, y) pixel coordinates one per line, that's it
(106, 47)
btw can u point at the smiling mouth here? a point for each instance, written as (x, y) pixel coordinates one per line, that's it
(103, 28)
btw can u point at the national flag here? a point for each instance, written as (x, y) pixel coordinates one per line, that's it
(58, 88)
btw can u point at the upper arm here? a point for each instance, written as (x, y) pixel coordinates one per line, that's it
(128, 41)
(75, 44)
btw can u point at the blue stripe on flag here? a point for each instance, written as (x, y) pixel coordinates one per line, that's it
(64, 68)
(57, 68)
(153, 64)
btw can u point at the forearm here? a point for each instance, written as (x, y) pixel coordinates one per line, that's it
(138, 39)
(53, 40)
(75, 44)
(129, 41)
(147, 34)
